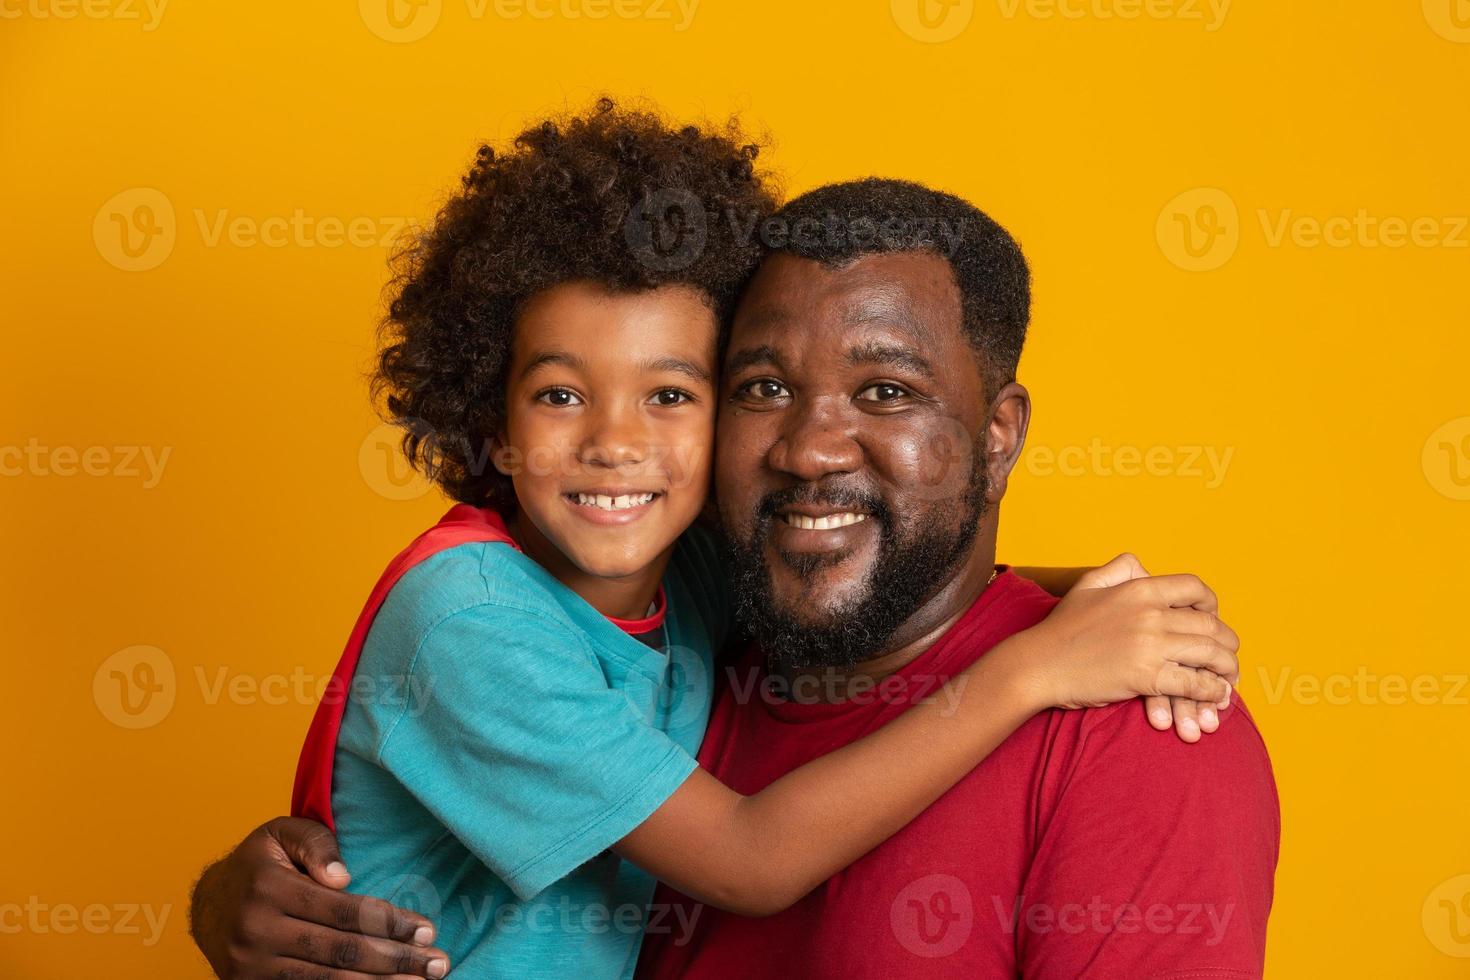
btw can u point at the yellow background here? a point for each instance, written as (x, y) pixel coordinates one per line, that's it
(1337, 532)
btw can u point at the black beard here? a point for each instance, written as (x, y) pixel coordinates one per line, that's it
(911, 566)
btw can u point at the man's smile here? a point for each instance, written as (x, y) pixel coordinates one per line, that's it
(815, 527)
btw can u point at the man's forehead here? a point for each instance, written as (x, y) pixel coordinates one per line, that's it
(911, 292)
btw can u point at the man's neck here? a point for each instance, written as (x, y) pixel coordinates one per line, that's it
(916, 635)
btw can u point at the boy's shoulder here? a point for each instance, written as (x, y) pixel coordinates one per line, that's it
(488, 575)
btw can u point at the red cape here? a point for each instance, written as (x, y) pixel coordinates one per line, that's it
(312, 796)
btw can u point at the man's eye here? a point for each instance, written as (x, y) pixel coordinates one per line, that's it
(881, 393)
(671, 396)
(763, 388)
(559, 397)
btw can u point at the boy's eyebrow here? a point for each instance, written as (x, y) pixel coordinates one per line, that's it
(751, 356)
(896, 355)
(679, 366)
(553, 357)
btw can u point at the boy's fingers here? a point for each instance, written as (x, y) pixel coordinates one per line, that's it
(1189, 620)
(1123, 568)
(1209, 718)
(1186, 720)
(1179, 681)
(312, 848)
(1206, 653)
(367, 955)
(1156, 707)
(1184, 590)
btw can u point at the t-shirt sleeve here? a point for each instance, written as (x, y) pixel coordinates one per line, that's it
(517, 744)
(1155, 858)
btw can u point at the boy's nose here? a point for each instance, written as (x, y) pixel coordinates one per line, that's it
(615, 443)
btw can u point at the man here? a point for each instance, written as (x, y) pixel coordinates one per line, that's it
(871, 370)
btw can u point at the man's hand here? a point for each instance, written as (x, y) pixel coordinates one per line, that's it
(274, 908)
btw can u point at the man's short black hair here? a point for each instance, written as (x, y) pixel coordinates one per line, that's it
(616, 196)
(839, 223)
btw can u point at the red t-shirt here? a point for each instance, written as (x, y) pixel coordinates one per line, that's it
(1086, 845)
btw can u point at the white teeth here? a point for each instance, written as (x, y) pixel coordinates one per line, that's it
(827, 523)
(603, 502)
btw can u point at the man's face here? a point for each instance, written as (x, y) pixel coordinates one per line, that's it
(851, 466)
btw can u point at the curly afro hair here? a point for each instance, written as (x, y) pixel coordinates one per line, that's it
(840, 223)
(613, 196)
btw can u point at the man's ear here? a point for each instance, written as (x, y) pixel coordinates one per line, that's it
(1010, 417)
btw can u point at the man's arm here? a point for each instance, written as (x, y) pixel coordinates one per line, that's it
(1156, 859)
(254, 915)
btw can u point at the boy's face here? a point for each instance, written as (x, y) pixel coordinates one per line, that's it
(610, 421)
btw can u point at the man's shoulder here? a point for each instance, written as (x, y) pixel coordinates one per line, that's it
(1111, 760)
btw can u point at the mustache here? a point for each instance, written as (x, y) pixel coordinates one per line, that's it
(831, 495)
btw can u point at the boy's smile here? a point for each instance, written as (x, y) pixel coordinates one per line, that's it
(610, 408)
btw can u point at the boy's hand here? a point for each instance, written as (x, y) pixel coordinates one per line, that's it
(1120, 633)
(256, 915)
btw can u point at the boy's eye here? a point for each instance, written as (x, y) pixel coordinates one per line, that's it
(762, 389)
(559, 397)
(881, 392)
(671, 396)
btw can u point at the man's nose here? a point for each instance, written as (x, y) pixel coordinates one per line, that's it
(616, 438)
(815, 443)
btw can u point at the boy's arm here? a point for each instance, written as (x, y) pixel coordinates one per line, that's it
(1054, 579)
(254, 915)
(759, 854)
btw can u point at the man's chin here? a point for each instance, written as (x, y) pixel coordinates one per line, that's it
(817, 598)
(823, 579)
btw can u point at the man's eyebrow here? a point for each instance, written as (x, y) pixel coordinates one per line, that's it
(896, 355)
(548, 357)
(679, 366)
(751, 356)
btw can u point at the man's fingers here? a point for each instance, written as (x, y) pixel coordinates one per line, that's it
(1179, 681)
(312, 848)
(287, 968)
(366, 954)
(305, 899)
(1123, 568)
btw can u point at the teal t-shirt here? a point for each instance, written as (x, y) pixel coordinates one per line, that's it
(501, 736)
